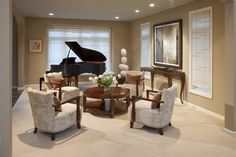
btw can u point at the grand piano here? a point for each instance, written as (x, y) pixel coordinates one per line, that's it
(92, 62)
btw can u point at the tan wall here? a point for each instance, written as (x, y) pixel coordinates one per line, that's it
(36, 28)
(217, 103)
(21, 46)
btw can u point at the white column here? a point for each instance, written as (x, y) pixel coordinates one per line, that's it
(5, 77)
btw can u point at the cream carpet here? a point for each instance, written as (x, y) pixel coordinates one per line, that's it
(193, 134)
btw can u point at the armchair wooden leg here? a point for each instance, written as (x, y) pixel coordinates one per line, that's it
(78, 125)
(161, 131)
(53, 136)
(170, 124)
(131, 124)
(35, 130)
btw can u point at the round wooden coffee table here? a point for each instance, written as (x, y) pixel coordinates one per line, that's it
(113, 94)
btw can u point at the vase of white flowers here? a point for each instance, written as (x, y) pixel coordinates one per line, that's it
(105, 81)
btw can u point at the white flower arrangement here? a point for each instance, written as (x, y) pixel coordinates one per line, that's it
(105, 80)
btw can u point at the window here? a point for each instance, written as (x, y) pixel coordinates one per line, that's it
(201, 52)
(92, 38)
(145, 60)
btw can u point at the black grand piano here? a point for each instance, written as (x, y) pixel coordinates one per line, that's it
(92, 62)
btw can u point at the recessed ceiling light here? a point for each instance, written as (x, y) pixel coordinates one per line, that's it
(137, 11)
(151, 5)
(117, 17)
(51, 14)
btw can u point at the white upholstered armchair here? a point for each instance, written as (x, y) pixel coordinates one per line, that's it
(159, 117)
(134, 81)
(56, 82)
(46, 118)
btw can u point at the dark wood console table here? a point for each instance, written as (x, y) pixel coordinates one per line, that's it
(170, 74)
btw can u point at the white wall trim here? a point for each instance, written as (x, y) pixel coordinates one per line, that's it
(20, 88)
(213, 114)
(36, 86)
(230, 132)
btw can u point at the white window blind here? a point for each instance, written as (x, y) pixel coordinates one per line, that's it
(145, 46)
(201, 52)
(92, 38)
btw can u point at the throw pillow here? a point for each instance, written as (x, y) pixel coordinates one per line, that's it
(54, 77)
(157, 97)
(131, 79)
(56, 82)
(56, 102)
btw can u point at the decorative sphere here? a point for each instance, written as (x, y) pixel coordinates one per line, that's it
(123, 73)
(123, 60)
(123, 67)
(123, 52)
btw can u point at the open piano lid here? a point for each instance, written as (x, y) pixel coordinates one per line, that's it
(86, 54)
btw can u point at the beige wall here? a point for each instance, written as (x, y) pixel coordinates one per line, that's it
(5, 78)
(217, 103)
(21, 46)
(36, 28)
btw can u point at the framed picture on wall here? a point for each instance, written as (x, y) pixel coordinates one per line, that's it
(35, 46)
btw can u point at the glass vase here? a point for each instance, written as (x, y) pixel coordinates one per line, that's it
(106, 88)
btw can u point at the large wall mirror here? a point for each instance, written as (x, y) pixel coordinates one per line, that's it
(168, 44)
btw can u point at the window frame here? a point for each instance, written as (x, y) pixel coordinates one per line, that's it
(190, 89)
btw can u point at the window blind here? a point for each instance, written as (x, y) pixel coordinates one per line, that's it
(92, 38)
(145, 47)
(201, 52)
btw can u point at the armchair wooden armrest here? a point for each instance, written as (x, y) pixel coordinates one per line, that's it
(77, 98)
(135, 98)
(148, 91)
(138, 82)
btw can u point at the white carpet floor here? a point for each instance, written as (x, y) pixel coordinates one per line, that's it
(193, 134)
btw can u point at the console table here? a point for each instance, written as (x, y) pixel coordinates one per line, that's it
(170, 74)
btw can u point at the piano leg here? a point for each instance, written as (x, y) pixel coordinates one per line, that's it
(76, 81)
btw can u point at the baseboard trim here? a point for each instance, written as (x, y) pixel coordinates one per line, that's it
(230, 132)
(32, 85)
(213, 114)
(20, 88)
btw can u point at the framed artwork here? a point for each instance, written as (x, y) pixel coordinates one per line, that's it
(168, 44)
(35, 46)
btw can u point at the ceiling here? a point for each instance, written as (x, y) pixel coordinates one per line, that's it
(94, 9)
